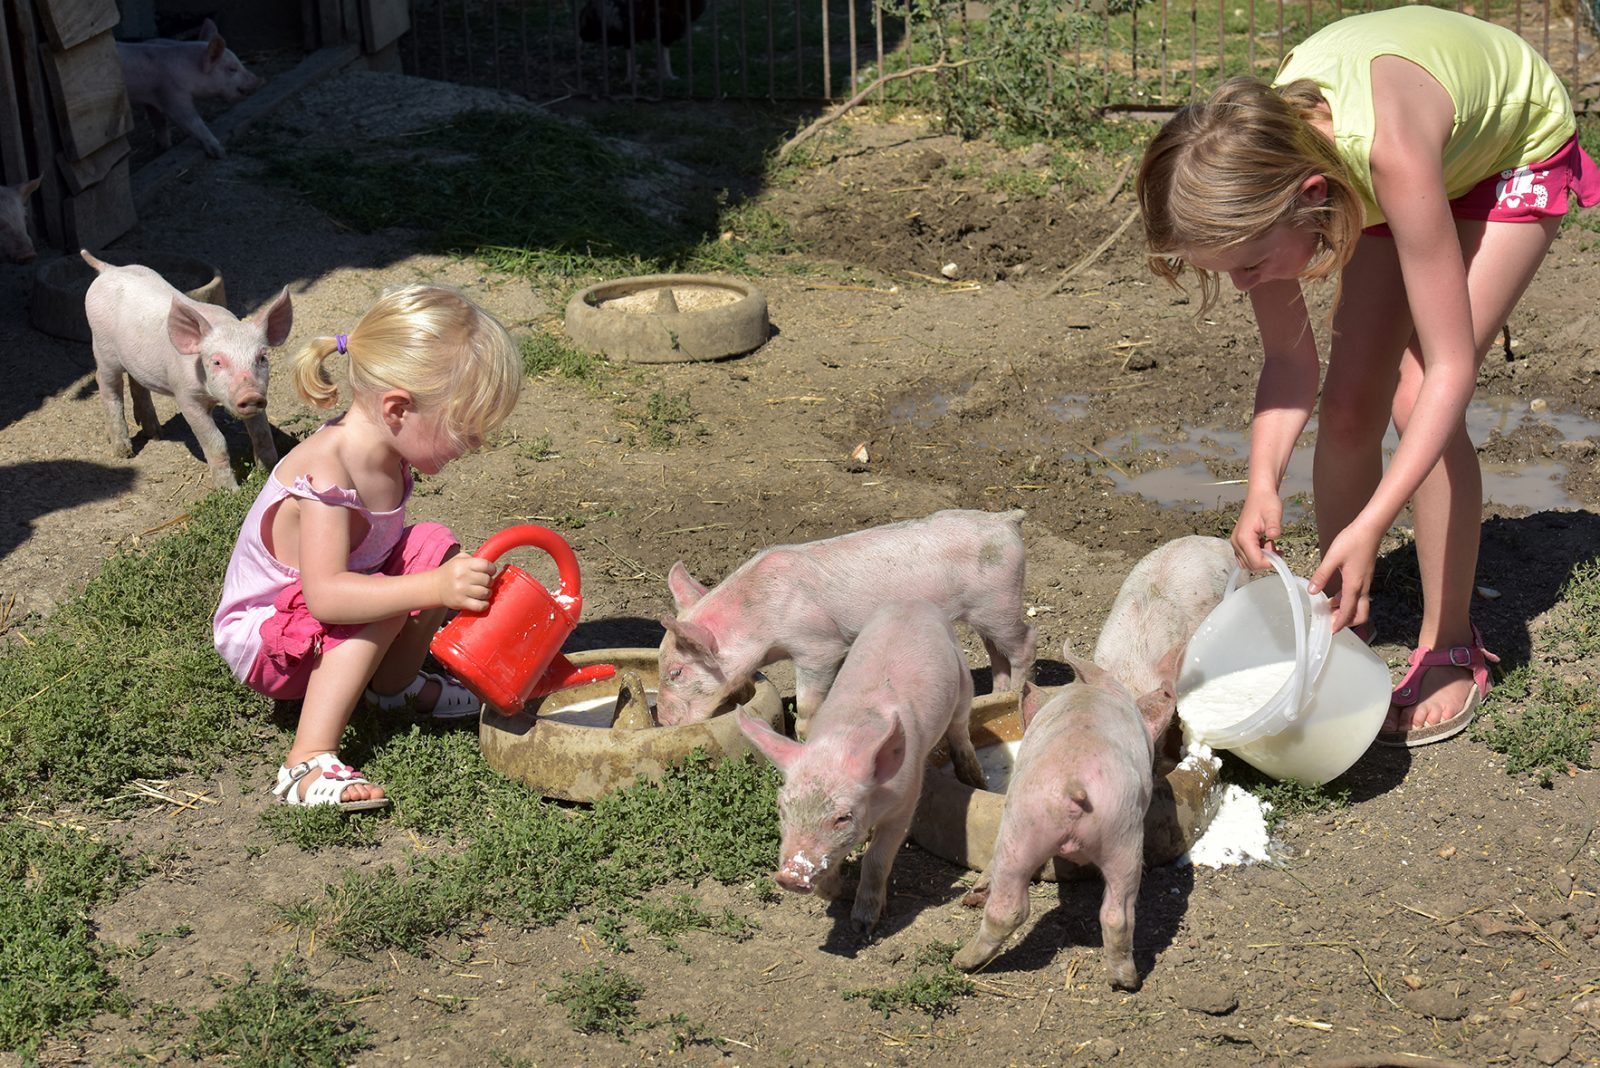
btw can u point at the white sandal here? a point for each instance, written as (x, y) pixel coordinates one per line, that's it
(328, 781)
(455, 701)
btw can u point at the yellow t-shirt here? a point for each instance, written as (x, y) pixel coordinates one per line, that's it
(1511, 109)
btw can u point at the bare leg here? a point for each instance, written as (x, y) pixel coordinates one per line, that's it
(144, 410)
(1006, 905)
(887, 837)
(811, 685)
(403, 658)
(1011, 655)
(1502, 259)
(336, 684)
(1122, 875)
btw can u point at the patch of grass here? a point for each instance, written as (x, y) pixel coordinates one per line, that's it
(600, 1001)
(318, 827)
(1541, 724)
(1026, 185)
(932, 988)
(123, 682)
(281, 1022)
(1287, 798)
(664, 419)
(702, 819)
(55, 976)
(148, 941)
(683, 913)
(545, 354)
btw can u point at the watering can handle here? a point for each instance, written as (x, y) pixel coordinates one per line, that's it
(1297, 609)
(544, 538)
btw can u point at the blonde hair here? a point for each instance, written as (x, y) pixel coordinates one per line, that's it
(431, 341)
(1226, 171)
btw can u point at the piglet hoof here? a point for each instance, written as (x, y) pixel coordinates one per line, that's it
(222, 478)
(122, 449)
(864, 917)
(972, 956)
(1123, 976)
(978, 896)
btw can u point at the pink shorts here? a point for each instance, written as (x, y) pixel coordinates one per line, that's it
(1528, 193)
(292, 639)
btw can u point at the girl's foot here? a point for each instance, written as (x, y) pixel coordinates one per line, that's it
(322, 780)
(439, 696)
(1439, 695)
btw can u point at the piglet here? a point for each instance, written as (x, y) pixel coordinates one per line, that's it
(164, 77)
(198, 354)
(1162, 602)
(904, 686)
(15, 245)
(1079, 790)
(808, 602)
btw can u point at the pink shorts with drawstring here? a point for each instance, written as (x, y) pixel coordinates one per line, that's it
(292, 639)
(1528, 193)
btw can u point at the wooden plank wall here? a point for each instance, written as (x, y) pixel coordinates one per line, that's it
(64, 116)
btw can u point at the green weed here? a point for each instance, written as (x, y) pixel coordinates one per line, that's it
(600, 1001)
(683, 913)
(1287, 798)
(545, 354)
(1541, 724)
(318, 827)
(55, 976)
(281, 1022)
(665, 418)
(932, 988)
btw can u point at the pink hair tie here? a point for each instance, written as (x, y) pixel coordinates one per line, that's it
(342, 340)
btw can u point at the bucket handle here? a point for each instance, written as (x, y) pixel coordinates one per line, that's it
(1298, 611)
(534, 536)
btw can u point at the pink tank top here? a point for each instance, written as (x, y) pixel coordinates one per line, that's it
(255, 577)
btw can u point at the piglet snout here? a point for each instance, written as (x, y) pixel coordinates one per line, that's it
(251, 403)
(790, 879)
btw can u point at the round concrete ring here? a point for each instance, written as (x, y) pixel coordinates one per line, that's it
(56, 304)
(650, 335)
(584, 763)
(959, 824)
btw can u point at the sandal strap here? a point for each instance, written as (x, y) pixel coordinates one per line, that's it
(1473, 657)
(327, 788)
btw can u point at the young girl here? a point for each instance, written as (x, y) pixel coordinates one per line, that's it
(1427, 157)
(329, 593)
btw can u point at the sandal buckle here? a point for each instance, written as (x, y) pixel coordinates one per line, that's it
(1460, 656)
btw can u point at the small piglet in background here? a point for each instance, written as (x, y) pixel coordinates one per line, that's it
(1162, 602)
(164, 77)
(1079, 790)
(15, 245)
(198, 354)
(904, 686)
(808, 602)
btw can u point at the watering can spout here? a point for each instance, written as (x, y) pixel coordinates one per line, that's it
(562, 674)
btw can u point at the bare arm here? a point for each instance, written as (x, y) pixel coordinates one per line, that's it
(1285, 394)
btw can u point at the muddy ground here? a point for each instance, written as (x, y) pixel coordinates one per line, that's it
(1449, 911)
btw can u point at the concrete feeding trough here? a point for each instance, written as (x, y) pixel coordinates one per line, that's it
(585, 742)
(959, 824)
(669, 318)
(56, 304)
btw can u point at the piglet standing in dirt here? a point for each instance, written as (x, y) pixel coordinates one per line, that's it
(164, 77)
(808, 602)
(1079, 790)
(1164, 599)
(904, 686)
(198, 354)
(15, 244)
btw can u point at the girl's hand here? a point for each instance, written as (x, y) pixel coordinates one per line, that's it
(464, 582)
(1259, 527)
(1345, 574)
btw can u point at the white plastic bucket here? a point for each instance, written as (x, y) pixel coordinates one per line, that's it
(1330, 703)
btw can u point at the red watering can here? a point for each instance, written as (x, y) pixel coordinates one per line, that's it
(512, 652)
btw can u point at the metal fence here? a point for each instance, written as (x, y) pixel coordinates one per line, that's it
(1146, 53)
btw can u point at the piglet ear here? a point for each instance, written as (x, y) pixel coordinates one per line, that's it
(1158, 706)
(186, 327)
(691, 634)
(1033, 699)
(781, 750)
(686, 589)
(1084, 669)
(208, 30)
(278, 319)
(27, 189)
(215, 46)
(890, 754)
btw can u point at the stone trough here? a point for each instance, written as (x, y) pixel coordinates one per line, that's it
(583, 743)
(959, 824)
(669, 318)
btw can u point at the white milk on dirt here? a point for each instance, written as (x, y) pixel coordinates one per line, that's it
(1237, 834)
(1219, 703)
(595, 712)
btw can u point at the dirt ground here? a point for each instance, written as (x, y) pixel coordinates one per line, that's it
(1450, 911)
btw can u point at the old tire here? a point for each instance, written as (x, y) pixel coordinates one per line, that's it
(959, 824)
(584, 763)
(708, 318)
(56, 303)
